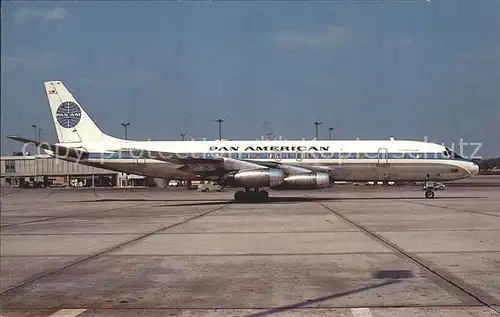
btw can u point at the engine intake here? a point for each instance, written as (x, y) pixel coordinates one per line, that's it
(306, 181)
(256, 178)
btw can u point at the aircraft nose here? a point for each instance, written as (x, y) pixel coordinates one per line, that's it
(474, 170)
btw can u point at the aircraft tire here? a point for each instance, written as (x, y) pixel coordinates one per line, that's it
(239, 196)
(263, 195)
(429, 194)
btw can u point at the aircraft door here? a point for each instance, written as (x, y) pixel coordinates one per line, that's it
(383, 156)
(278, 156)
(140, 160)
(299, 156)
(384, 170)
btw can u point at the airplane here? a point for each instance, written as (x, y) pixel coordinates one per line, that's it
(252, 165)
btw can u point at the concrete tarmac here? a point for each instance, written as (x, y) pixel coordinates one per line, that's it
(344, 251)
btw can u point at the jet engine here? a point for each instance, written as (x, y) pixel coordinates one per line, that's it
(255, 178)
(306, 181)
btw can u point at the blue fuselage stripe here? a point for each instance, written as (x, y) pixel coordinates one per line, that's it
(294, 155)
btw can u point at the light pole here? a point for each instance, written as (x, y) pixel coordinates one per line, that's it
(219, 121)
(317, 123)
(35, 162)
(269, 134)
(34, 130)
(125, 125)
(182, 136)
(39, 132)
(330, 129)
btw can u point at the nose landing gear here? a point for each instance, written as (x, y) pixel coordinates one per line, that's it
(429, 190)
(429, 193)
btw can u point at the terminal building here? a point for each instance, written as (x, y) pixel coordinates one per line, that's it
(42, 170)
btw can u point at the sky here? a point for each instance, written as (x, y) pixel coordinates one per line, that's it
(419, 70)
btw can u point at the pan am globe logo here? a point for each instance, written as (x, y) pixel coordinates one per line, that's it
(68, 114)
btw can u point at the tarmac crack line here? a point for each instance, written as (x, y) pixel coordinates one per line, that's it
(242, 254)
(484, 299)
(47, 196)
(10, 225)
(454, 209)
(444, 207)
(255, 310)
(110, 249)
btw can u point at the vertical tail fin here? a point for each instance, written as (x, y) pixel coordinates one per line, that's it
(72, 123)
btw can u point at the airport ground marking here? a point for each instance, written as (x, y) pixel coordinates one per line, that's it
(477, 295)
(361, 312)
(68, 313)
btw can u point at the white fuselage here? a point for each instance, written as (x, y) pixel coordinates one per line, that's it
(356, 160)
(277, 164)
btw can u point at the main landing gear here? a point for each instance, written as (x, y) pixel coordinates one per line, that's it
(251, 195)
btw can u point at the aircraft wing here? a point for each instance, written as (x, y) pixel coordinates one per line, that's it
(58, 150)
(171, 157)
(216, 163)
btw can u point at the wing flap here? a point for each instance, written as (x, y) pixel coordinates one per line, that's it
(170, 157)
(288, 168)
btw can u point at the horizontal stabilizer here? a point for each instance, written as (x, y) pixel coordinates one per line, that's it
(58, 150)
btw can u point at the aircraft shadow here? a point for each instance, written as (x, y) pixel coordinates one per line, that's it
(271, 200)
(320, 299)
(284, 200)
(101, 200)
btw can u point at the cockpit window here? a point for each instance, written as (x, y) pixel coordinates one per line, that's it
(452, 154)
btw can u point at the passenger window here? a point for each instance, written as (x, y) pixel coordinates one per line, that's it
(398, 156)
